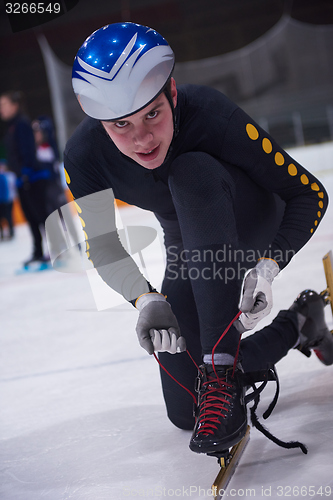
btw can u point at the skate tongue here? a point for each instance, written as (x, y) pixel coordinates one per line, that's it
(221, 371)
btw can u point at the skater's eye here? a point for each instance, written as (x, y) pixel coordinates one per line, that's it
(121, 124)
(152, 114)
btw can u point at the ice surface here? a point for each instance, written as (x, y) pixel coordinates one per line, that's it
(81, 410)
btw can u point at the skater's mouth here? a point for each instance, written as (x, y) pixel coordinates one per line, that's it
(149, 155)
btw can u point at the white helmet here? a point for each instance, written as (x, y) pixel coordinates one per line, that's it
(120, 69)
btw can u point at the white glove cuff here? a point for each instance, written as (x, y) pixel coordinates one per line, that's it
(146, 298)
(268, 269)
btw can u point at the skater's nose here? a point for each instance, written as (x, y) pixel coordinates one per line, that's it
(142, 135)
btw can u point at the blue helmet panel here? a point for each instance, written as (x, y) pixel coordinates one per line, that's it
(120, 68)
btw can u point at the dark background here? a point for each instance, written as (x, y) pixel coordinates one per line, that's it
(195, 29)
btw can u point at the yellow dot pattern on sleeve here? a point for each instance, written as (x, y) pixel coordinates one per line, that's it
(68, 179)
(279, 160)
(252, 132)
(78, 208)
(315, 187)
(85, 234)
(267, 145)
(292, 170)
(304, 179)
(86, 240)
(82, 222)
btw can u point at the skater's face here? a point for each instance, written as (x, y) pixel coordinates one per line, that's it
(145, 136)
(8, 109)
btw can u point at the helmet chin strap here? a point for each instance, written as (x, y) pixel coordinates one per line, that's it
(169, 97)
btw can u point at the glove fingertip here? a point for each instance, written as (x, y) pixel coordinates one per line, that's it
(181, 344)
(173, 331)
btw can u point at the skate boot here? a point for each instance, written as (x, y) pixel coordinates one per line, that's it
(37, 260)
(314, 333)
(221, 417)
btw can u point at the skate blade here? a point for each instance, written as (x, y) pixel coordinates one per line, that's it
(328, 269)
(227, 470)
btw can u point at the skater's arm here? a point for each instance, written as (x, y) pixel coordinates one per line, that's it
(251, 148)
(157, 327)
(95, 207)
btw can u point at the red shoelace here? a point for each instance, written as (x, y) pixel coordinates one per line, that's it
(214, 404)
(213, 351)
(212, 409)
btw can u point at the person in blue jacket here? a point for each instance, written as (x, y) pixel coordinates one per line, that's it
(48, 158)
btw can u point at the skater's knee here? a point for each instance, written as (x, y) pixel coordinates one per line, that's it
(193, 175)
(192, 165)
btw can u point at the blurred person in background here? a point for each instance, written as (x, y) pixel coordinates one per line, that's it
(21, 157)
(48, 158)
(7, 196)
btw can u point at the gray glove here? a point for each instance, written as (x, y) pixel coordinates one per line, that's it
(256, 300)
(157, 327)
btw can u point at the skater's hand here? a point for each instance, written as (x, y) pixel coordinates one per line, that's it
(256, 300)
(157, 327)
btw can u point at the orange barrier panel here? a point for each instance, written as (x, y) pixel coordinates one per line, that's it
(119, 202)
(122, 204)
(18, 215)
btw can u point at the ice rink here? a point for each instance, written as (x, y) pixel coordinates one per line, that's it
(81, 411)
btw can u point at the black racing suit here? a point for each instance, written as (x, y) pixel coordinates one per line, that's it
(225, 196)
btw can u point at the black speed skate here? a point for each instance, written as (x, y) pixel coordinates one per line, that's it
(314, 333)
(221, 417)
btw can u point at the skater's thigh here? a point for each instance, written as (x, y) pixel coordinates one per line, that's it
(258, 212)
